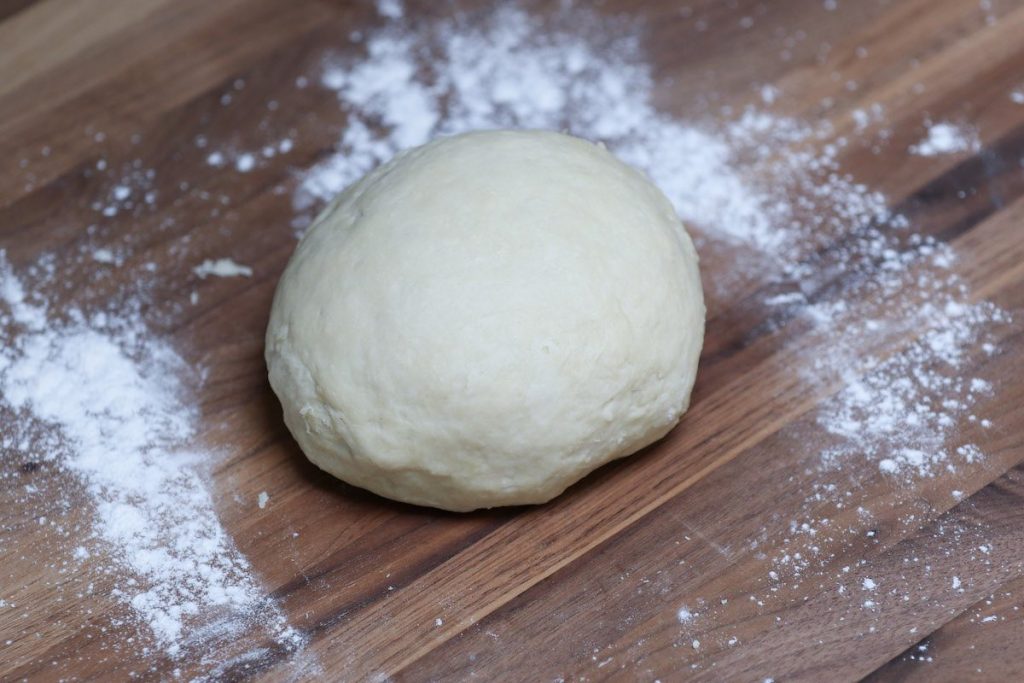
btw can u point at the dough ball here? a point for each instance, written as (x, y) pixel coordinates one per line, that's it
(486, 319)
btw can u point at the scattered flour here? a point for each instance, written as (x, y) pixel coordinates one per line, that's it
(222, 267)
(132, 192)
(904, 412)
(101, 399)
(244, 161)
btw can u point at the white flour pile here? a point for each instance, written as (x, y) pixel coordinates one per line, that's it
(100, 398)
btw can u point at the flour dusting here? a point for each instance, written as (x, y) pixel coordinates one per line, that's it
(100, 398)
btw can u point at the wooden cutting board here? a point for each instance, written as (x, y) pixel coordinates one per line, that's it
(589, 587)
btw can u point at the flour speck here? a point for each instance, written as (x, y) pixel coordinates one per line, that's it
(222, 267)
(947, 138)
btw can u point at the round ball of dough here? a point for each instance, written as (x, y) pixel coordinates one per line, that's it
(486, 319)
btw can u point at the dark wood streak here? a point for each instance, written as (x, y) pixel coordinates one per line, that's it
(410, 574)
(965, 647)
(8, 8)
(991, 178)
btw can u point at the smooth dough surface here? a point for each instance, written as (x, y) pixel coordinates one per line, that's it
(485, 319)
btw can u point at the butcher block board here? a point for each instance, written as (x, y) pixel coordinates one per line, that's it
(662, 566)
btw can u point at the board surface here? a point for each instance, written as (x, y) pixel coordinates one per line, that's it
(664, 566)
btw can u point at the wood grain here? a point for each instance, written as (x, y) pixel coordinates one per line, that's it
(589, 587)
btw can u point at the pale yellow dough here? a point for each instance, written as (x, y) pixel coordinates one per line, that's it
(486, 319)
